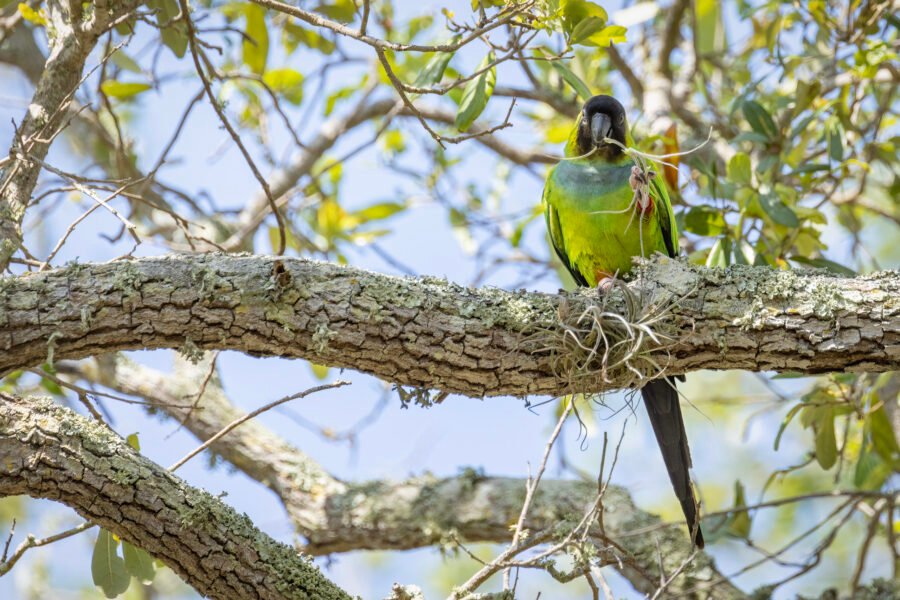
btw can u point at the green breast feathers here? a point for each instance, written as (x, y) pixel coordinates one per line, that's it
(597, 221)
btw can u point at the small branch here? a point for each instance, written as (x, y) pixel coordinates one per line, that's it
(634, 83)
(196, 53)
(398, 85)
(671, 36)
(871, 532)
(252, 415)
(533, 483)
(504, 17)
(33, 542)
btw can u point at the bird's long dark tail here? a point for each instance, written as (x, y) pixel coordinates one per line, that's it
(661, 400)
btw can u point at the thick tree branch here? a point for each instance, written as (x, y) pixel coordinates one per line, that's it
(338, 516)
(433, 334)
(50, 452)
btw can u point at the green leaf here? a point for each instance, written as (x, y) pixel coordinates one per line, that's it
(107, 567)
(611, 34)
(255, 46)
(286, 82)
(382, 210)
(804, 95)
(718, 254)
(824, 263)
(434, 70)
(739, 169)
(516, 238)
(338, 95)
(826, 444)
(778, 211)
(35, 17)
(392, 141)
(175, 35)
(811, 168)
(744, 254)
(759, 119)
(704, 220)
(802, 125)
(123, 27)
(739, 523)
(586, 28)
(123, 89)
(50, 385)
(871, 470)
(293, 34)
(835, 139)
(572, 79)
(883, 434)
(766, 163)
(750, 136)
(138, 563)
(123, 61)
(575, 11)
(320, 372)
(340, 10)
(786, 421)
(176, 39)
(709, 29)
(476, 95)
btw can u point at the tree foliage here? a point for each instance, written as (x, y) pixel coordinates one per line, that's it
(330, 131)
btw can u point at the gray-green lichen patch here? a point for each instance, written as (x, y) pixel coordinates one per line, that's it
(322, 337)
(209, 284)
(191, 351)
(127, 278)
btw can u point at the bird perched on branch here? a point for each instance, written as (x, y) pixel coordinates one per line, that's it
(603, 207)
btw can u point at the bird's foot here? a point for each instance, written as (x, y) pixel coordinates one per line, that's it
(605, 284)
(640, 184)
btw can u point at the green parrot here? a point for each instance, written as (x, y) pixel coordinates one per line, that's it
(602, 210)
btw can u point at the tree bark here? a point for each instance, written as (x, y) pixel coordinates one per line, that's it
(428, 333)
(51, 452)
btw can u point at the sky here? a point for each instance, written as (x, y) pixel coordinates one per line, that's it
(498, 435)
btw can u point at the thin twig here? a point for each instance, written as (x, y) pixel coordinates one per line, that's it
(505, 16)
(196, 53)
(532, 484)
(33, 542)
(225, 430)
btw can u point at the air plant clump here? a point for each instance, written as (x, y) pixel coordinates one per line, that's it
(611, 342)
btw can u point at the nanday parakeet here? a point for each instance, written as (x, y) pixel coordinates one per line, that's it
(602, 211)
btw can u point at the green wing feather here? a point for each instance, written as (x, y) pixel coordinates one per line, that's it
(554, 229)
(665, 216)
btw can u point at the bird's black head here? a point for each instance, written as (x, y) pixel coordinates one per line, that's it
(602, 117)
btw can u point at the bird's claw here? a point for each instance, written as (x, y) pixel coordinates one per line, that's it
(605, 284)
(640, 184)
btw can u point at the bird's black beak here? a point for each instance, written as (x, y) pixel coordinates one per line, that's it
(601, 127)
